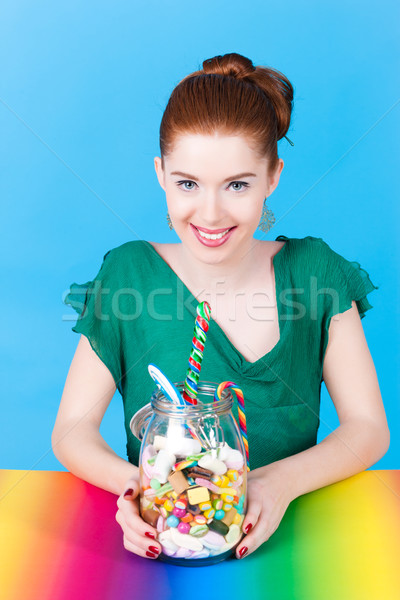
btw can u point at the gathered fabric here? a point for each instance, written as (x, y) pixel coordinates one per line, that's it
(137, 310)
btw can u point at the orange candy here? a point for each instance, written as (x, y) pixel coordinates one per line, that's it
(187, 518)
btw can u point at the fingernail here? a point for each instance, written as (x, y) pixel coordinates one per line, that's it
(128, 492)
(248, 527)
(242, 551)
(150, 554)
(150, 535)
(154, 549)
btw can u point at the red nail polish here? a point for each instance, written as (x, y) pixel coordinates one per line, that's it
(242, 551)
(150, 535)
(248, 527)
(150, 554)
(128, 492)
(154, 549)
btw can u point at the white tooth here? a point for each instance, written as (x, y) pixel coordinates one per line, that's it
(213, 236)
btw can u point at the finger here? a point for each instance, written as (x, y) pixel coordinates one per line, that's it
(135, 528)
(256, 536)
(131, 489)
(151, 551)
(252, 515)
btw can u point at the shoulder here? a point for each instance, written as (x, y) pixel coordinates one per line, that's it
(312, 252)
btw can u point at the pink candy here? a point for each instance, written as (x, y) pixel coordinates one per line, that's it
(184, 527)
(205, 483)
(179, 512)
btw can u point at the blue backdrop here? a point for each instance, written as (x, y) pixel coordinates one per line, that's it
(83, 88)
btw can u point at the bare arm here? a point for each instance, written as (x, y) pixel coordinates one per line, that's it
(361, 439)
(363, 435)
(76, 439)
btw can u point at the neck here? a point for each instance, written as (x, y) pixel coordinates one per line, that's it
(233, 273)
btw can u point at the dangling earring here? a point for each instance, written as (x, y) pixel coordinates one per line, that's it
(169, 221)
(267, 219)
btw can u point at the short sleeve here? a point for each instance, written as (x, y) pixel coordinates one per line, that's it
(97, 320)
(339, 282)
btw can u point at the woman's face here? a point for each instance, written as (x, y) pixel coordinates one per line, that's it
(215, 187)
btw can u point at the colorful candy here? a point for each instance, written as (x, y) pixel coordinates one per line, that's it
(196, 354)
(197, 517)
(241, 413)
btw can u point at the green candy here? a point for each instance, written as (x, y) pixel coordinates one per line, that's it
(218, 527)
(198, 530)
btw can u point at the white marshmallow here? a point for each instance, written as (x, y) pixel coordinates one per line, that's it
(185, 540)
(213, 464)
(163, 465)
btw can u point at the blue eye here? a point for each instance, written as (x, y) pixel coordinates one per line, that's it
(242, 183)
(184, 181)
(180, 183)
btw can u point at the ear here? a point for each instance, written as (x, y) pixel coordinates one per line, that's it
(273, 179)
(159, 171)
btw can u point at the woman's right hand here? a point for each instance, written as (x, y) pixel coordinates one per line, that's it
(139, 537)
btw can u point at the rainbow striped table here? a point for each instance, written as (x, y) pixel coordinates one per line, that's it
(59, 539)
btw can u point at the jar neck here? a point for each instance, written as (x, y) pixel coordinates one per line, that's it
(206, 405)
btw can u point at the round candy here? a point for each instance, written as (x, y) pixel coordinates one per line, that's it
(198, 530)
(181, 503)
(209, 514)
(205, 506)
(200, 519)
(184, 527)
(232, 474)
(219, 514)
(218, 504)
(172, 521)
(179, 512)
(168, 505)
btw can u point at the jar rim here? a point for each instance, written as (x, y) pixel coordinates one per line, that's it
(162, 405)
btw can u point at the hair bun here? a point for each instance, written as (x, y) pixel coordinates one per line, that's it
(231, 65)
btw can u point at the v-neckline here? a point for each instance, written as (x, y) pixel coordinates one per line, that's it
(244, 363)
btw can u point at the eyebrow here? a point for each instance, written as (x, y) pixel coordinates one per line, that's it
(227, 179)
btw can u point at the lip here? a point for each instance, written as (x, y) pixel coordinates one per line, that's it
(213, 243)
(211, 231)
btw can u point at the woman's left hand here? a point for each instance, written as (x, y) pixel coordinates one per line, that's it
(268, 497)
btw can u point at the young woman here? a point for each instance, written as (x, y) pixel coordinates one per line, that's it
(286, 314)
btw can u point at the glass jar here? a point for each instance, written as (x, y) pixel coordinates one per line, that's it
(193, 476)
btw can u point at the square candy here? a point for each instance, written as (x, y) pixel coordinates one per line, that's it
(198, 494)
(178, 482)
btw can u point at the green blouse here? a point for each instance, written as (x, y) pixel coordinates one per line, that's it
(137, 311)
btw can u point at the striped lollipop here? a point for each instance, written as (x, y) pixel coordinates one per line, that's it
(196, 354)
(241, 412)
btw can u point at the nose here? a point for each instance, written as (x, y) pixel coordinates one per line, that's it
(211, 210)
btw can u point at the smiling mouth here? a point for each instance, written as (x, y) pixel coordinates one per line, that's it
(213, 236)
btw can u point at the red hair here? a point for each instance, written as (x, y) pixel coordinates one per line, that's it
(232, 96)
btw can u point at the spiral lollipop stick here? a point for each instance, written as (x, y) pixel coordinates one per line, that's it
(241, 412)
(196, 354)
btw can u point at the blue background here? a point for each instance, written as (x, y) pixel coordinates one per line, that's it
(83, 88)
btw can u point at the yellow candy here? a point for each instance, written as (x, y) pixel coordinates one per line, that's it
(227, 507)
(237, 519)
(205, 506)
(216, 479)
(232, 474)
(224, 481)
(227, 496)
(169, 505)
(209, 513)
